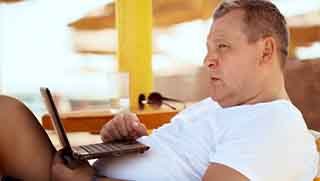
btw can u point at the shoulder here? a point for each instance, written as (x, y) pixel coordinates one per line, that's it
(248, 135)
(273, 124)
(198, 112)
(200, 108)
(205, 104)
(264, 115)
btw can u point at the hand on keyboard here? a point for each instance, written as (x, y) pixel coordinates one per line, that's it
(124, 126)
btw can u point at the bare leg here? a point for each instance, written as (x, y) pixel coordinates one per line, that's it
(25, 149)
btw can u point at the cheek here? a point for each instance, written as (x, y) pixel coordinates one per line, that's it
(237, 74)
(238, 66)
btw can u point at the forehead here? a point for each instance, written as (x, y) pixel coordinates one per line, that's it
(229, 26)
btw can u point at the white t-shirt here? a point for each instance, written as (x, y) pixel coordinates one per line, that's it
(264, 142)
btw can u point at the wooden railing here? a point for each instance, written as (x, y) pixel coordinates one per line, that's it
(93, 120)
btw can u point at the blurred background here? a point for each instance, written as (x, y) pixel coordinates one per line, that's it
(70, 46)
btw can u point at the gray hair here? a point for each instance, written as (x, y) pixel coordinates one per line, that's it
(262, 19)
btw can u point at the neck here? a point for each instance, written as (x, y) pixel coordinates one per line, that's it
(273, 89)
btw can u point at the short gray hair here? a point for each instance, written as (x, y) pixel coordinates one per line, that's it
(262, 19)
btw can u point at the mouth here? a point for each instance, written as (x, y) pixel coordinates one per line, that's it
(214, 79)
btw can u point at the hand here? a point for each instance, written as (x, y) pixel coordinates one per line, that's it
(60, 172)
(124, 126)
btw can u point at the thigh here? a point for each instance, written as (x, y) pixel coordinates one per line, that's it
(25, 149)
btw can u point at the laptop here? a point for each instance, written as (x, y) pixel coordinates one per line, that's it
(91, 151)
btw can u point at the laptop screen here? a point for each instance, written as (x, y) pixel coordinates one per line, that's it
(57, 124)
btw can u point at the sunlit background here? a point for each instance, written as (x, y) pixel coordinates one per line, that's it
(37, 48)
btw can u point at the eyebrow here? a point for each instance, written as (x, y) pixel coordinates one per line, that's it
(217, 36)
(218, 39)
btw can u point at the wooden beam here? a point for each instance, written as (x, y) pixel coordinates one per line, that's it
(96, 52)
(94, 23)
(92, 121)
(305, 35)
(9, 1)
(208, 6)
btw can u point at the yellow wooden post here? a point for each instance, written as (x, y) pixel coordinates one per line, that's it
(134, 25)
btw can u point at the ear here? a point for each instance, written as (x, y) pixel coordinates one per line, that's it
(268, 50)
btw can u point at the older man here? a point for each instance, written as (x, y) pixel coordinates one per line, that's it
(247, 130)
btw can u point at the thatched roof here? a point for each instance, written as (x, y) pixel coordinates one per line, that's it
(304, 29)
(165, 12)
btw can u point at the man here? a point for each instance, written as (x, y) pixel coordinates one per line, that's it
(247, 130)
(256, 134)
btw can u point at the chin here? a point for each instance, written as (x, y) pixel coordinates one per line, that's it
(223, 101)
(215, 98)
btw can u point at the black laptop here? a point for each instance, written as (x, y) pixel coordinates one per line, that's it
(91, 151)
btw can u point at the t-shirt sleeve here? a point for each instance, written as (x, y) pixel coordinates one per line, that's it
(242, 143)
(235, 155)
(264, 143)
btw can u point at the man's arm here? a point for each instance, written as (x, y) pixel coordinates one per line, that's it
(219, 172)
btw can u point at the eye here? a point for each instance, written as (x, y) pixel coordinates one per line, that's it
(221, 46)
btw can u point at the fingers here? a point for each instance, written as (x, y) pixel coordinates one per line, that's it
(110, 131)
(129, 119)
(139, 129)
(136, 128)
(123, 126)
(114, 129)
(120, 125)
(106, 134)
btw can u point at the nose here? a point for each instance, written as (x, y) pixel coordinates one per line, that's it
(211, 62)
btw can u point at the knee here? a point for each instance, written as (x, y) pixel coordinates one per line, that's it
(10, 101)
(9, 105)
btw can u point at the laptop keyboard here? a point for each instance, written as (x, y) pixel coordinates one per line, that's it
(96, 148)
(93, 151)
(109, 147)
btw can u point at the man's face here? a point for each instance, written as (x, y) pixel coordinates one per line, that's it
(232, 61)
